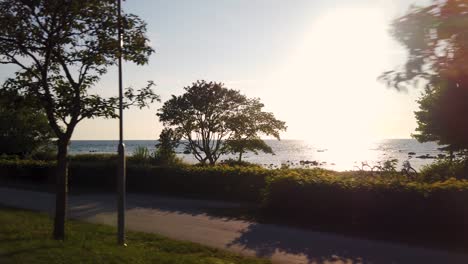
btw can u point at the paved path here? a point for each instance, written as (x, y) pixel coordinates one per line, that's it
(185, 220)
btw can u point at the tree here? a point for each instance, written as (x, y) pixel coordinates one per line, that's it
(442, 116)
(215, 120)
(248, 125)
(200, 116)
(165, 149)
(436, 37)
(23, 125)
(245, 145)
(62, 48)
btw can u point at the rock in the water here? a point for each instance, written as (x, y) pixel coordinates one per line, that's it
(427, 156)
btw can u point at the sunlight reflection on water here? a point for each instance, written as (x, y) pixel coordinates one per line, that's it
(336, 155)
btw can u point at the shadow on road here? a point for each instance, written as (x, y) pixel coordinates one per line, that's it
(265, 240)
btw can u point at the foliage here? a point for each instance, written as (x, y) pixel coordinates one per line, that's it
(312, 197)
(48, 152)
(200, 116)
(388, 166)
(62, 48)
(359, 200)
(68, 45)
(94, 158)
(20, 170)
(437, 42)
(23, 125)
(87, 170)
(165, 149)
(215, 120)
(236, 162)
(248, 125)
(245, 145)
(444, 169)
(441, 116)
(140, 155)
(369, 204)
(25, 239)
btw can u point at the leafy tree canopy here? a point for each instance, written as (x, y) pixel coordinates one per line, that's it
(23, 125)
(442, 116)
(165, 149)
(436, 38)
(249, 125)
(61, 49)
(208, 115)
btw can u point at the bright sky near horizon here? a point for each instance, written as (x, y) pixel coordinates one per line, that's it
(313, 63)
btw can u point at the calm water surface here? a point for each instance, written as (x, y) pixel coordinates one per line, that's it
(337, 155)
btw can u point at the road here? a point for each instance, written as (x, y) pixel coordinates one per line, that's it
(185, 219)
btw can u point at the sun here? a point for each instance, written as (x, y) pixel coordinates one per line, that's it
(333, 72)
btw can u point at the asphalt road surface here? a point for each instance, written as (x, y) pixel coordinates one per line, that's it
(185, 219)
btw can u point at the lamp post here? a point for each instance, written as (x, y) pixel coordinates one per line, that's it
(121, 170)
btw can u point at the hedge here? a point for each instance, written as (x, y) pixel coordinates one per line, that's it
(392, 203)
(223, 182)
(27, 171)
(426, 211)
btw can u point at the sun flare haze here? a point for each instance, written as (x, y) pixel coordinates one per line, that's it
(315, 68)
(332, 73)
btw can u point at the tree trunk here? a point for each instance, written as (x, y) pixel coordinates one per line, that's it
(61, 189)
(211, 160)
(240, 157)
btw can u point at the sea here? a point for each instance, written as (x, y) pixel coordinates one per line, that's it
(339, 155)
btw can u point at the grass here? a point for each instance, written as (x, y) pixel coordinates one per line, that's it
(25, 237)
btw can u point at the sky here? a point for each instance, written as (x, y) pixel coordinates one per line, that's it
(314, 64)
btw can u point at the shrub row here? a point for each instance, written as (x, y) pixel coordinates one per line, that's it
(27, 170)
(220, 182)
(309, 196)
(426, 211)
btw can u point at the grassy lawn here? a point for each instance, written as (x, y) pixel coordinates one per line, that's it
(25, 237)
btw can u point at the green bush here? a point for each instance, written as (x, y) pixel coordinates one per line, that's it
(169, 160)
(165, 149)
(94, 158)
(218, 182)
(408, 208)
(16, 170)
(141, 155)
(444, 169)
(9, 157)
(235, 162)
(43, 154)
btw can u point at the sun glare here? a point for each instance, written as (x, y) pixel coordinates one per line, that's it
(334, 69)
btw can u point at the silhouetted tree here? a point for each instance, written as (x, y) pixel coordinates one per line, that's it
(165, 150)
(247, 127)
(215, 120)
(23, 125)
(241, 146)
(62, 48)
(442, 116)
(436, 37)
(200, 116)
